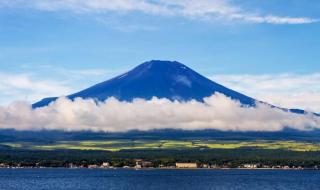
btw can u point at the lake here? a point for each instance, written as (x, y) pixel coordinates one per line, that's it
(157, 179)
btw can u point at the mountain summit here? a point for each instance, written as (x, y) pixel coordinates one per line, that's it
(162, 79)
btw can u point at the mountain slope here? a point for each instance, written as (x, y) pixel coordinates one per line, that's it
(163, 79)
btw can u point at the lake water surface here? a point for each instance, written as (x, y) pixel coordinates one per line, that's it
(114, 179)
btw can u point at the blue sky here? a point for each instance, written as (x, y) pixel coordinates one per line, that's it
(266, 49)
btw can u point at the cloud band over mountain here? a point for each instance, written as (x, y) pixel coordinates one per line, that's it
(192, 9)
(216, 112)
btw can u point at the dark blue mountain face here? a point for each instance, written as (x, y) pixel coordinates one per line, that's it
(162, 79)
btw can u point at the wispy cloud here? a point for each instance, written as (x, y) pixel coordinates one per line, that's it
(285, 90)
(47, 81)
(222, 9)
(114, 116)
(192, 9)
(27, 87)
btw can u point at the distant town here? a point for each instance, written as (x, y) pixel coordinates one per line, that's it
(143, 164)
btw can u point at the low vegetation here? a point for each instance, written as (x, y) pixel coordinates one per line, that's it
(118, 145)
(124, 152)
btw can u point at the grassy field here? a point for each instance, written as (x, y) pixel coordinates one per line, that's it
(117, 145)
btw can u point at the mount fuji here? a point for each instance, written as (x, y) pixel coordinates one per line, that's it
(162, 79)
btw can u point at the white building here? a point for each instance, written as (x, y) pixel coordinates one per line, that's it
(186, 165)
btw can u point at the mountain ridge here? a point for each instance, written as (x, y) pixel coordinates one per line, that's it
(163, 79)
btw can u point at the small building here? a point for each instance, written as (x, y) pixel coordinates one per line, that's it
(205, 166)
(215, 166)
(186, 165)
(3, 165)
(71, 165)
(250, 166)
(138, 166)
(146, 164)
(105, 165)
(286, 167)
(143, 164)
(92, 166)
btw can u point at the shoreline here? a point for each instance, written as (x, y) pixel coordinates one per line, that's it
(119, 168)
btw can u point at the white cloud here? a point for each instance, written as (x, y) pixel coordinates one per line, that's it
(47, 81)
(26, 87)
(195, 9)
(285, 90)
(215, 9)
(279, 20)
(217, 112)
